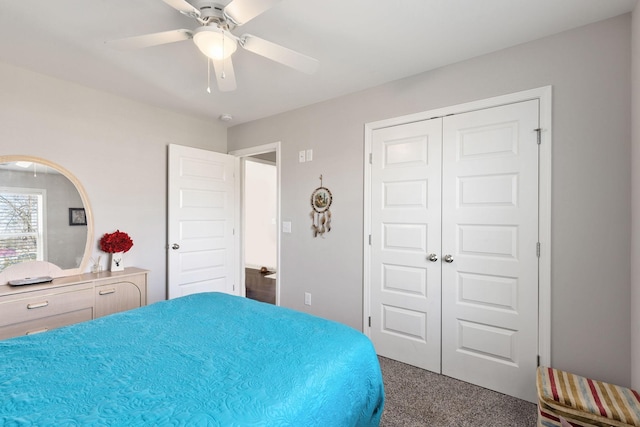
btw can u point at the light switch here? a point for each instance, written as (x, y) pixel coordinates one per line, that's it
(286, 226)
(301, 156)
(309, 155)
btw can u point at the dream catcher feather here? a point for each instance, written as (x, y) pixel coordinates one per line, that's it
(321, 199)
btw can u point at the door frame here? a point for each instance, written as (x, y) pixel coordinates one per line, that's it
(242, 154)
(543, 94)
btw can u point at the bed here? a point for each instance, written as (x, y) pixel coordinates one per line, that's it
(207, 359)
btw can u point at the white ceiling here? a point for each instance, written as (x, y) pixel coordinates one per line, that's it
(359, 43)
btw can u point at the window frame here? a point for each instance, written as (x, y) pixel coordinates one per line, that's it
(41, 233)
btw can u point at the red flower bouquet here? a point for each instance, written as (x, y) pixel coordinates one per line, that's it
(117, 241)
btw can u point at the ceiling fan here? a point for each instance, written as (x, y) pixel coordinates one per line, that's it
(215, 39)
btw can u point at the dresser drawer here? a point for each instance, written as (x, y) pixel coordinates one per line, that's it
(116, 297)
(46, 323)
(44, 304)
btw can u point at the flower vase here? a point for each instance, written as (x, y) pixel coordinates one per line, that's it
(117, 261)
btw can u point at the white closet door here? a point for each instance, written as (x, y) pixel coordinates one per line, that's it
(490, 228)
(406, 228)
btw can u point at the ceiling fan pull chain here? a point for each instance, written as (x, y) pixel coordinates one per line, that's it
(224, 60)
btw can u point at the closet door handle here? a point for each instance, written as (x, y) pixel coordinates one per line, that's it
(448, 258)
(432, 257)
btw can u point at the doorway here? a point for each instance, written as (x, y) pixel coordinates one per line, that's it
(259, 219)
(259, 174)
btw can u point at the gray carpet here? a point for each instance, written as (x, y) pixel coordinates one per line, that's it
(415, 397)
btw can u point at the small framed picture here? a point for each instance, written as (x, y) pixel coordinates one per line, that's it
(77, 216)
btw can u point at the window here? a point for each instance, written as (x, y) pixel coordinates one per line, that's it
(21, 225)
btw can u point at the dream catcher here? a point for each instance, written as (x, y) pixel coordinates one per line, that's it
(321, 215)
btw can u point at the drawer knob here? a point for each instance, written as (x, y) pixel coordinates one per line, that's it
(37, 305)
(107, 292)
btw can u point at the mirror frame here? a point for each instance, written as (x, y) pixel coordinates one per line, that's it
(83, 196)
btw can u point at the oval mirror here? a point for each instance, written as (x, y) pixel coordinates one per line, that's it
(44, 215)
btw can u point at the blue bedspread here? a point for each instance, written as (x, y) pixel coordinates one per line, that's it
(207, 360)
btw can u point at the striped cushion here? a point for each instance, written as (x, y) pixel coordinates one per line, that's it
(574, 396)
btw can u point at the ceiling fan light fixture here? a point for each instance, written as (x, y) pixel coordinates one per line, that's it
(214, 42)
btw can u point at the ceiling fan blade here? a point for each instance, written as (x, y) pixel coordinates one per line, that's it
(183, 7)
(243, 11)
(280, 54)
(225, 76)
(148, 40)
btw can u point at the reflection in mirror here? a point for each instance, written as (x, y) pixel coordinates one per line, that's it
(43, 211)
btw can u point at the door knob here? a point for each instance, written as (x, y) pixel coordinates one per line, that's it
(175, 246)
(448, 258)
(432, 257)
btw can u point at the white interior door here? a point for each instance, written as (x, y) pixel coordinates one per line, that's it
(405, 212)
(490, 229)
(201, 199)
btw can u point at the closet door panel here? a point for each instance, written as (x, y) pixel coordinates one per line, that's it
(405, 212)
(490, 228)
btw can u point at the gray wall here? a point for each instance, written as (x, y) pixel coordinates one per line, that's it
(116, 148)
(589, 69)
(635, 183)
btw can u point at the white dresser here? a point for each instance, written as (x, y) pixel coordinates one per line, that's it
(38, 308)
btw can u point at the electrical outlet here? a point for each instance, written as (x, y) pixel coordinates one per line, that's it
(309, 155)
(301, 156)
(286, 226)
(307, 298)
